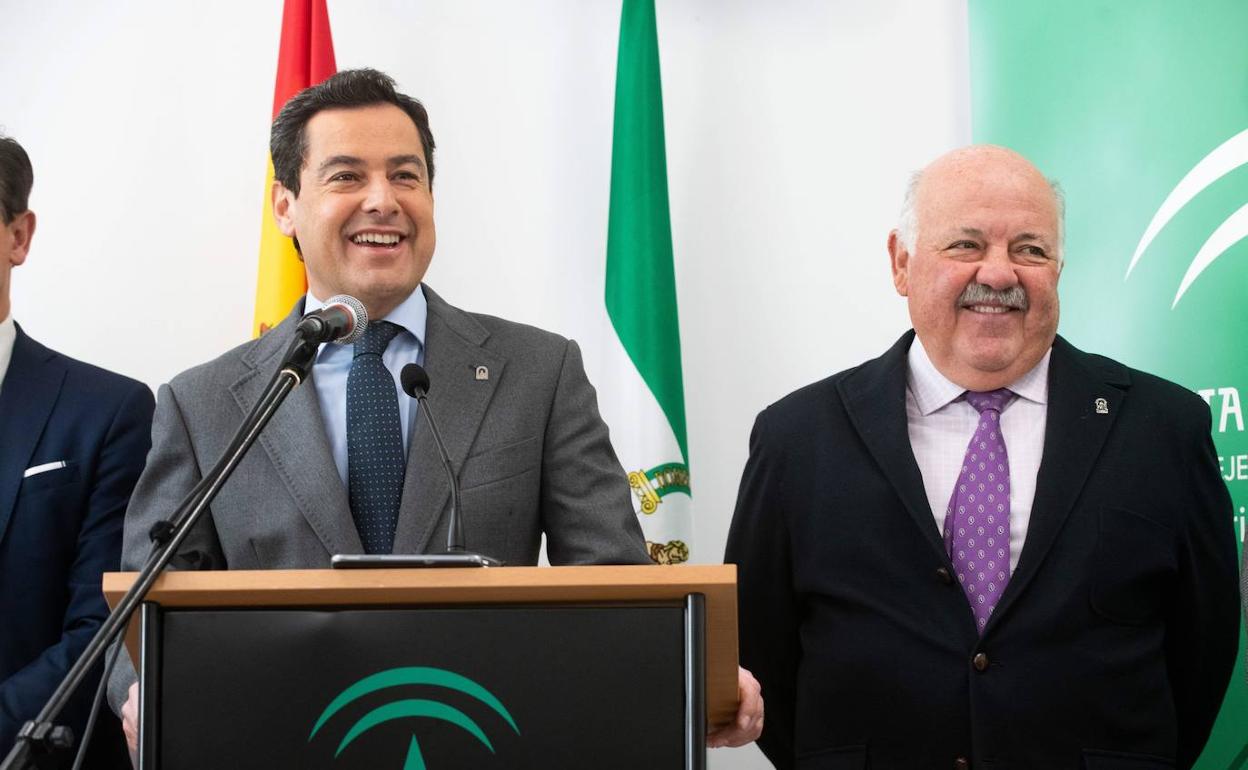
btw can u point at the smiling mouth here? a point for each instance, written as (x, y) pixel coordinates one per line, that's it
(988, 309)
(377, 240)
(983, 299)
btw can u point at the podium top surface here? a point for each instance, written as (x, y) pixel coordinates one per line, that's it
(244, 588)
(494, 585)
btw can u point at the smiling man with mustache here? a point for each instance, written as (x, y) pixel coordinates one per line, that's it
(986, 548)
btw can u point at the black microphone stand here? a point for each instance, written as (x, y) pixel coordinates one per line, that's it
(415, 382)
(40, 739)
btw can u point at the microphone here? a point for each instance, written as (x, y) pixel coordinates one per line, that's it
(415, 382)
(342, 320)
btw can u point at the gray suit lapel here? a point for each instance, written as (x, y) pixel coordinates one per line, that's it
(453, 351)
(296, 443)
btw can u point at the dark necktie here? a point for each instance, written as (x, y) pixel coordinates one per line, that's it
(375, 460)
(977, 522)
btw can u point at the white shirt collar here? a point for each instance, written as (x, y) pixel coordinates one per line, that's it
(412, 315)
(933, 390)
(8, 334)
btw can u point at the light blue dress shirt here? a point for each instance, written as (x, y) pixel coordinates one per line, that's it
(333, 364)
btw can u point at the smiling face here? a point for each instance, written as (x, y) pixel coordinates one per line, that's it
(364, 212)
(981, 279)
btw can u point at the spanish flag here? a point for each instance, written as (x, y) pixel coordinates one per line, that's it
(305, 58)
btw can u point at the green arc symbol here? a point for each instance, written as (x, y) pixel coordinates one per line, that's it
(413, 708)
(414, 675)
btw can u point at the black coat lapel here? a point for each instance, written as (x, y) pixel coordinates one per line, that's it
(30, 390)
(1075, 432)
(875, 398)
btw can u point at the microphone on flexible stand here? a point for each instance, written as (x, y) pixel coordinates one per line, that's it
(415, 382)
(342, 320)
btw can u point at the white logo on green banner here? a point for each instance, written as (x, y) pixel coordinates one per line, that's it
(1211, 168)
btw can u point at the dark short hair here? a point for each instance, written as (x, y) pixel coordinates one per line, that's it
(288, 143)
(16, 178)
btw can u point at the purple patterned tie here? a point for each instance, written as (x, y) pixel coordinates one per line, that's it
(977, 523)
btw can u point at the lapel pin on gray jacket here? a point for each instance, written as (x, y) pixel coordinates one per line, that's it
(483, 372)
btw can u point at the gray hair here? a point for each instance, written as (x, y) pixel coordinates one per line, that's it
(908, 220)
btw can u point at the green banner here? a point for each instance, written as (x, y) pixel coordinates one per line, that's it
(1140, 110)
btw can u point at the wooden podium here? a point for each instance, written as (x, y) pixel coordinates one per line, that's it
(514, 667)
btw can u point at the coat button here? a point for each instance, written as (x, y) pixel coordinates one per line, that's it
(942, 574)
(980, 661)
(961, 764)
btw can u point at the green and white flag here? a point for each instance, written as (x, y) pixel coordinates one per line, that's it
(1138, 110)
(644, 395)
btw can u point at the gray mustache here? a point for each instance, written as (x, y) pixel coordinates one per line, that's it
(1014, 297)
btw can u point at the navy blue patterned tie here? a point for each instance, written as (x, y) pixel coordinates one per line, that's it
(375, 460)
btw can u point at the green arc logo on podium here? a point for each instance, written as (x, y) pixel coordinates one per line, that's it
(410, 708)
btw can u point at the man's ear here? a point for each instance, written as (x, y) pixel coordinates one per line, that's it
(283, 201)
(900, 259)
(21, 230)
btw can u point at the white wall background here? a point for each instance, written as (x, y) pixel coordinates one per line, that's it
(791, 129)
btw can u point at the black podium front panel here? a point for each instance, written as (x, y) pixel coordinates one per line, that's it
(407, 689)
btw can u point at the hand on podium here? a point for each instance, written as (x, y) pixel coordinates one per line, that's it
(749, 722)
(130, 719)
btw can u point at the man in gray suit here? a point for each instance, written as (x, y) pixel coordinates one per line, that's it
(343, 467)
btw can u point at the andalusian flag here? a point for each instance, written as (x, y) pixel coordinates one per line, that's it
(647, 392)
(306, 57)
(1138, 110)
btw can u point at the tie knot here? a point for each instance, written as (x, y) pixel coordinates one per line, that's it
(994, 400)
(376, 337)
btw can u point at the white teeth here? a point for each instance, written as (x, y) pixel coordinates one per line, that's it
(989, 309)
(388, 239)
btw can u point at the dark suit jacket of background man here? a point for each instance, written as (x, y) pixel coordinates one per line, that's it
(60, 529)
(530, 449)
(1113, 642)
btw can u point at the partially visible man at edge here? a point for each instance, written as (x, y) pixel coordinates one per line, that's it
(353, 167)
(73, 438)
(986, 548)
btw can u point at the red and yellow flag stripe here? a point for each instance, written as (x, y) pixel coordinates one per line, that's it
(305, 58)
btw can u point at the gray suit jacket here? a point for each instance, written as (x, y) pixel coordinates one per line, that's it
(532, 454)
